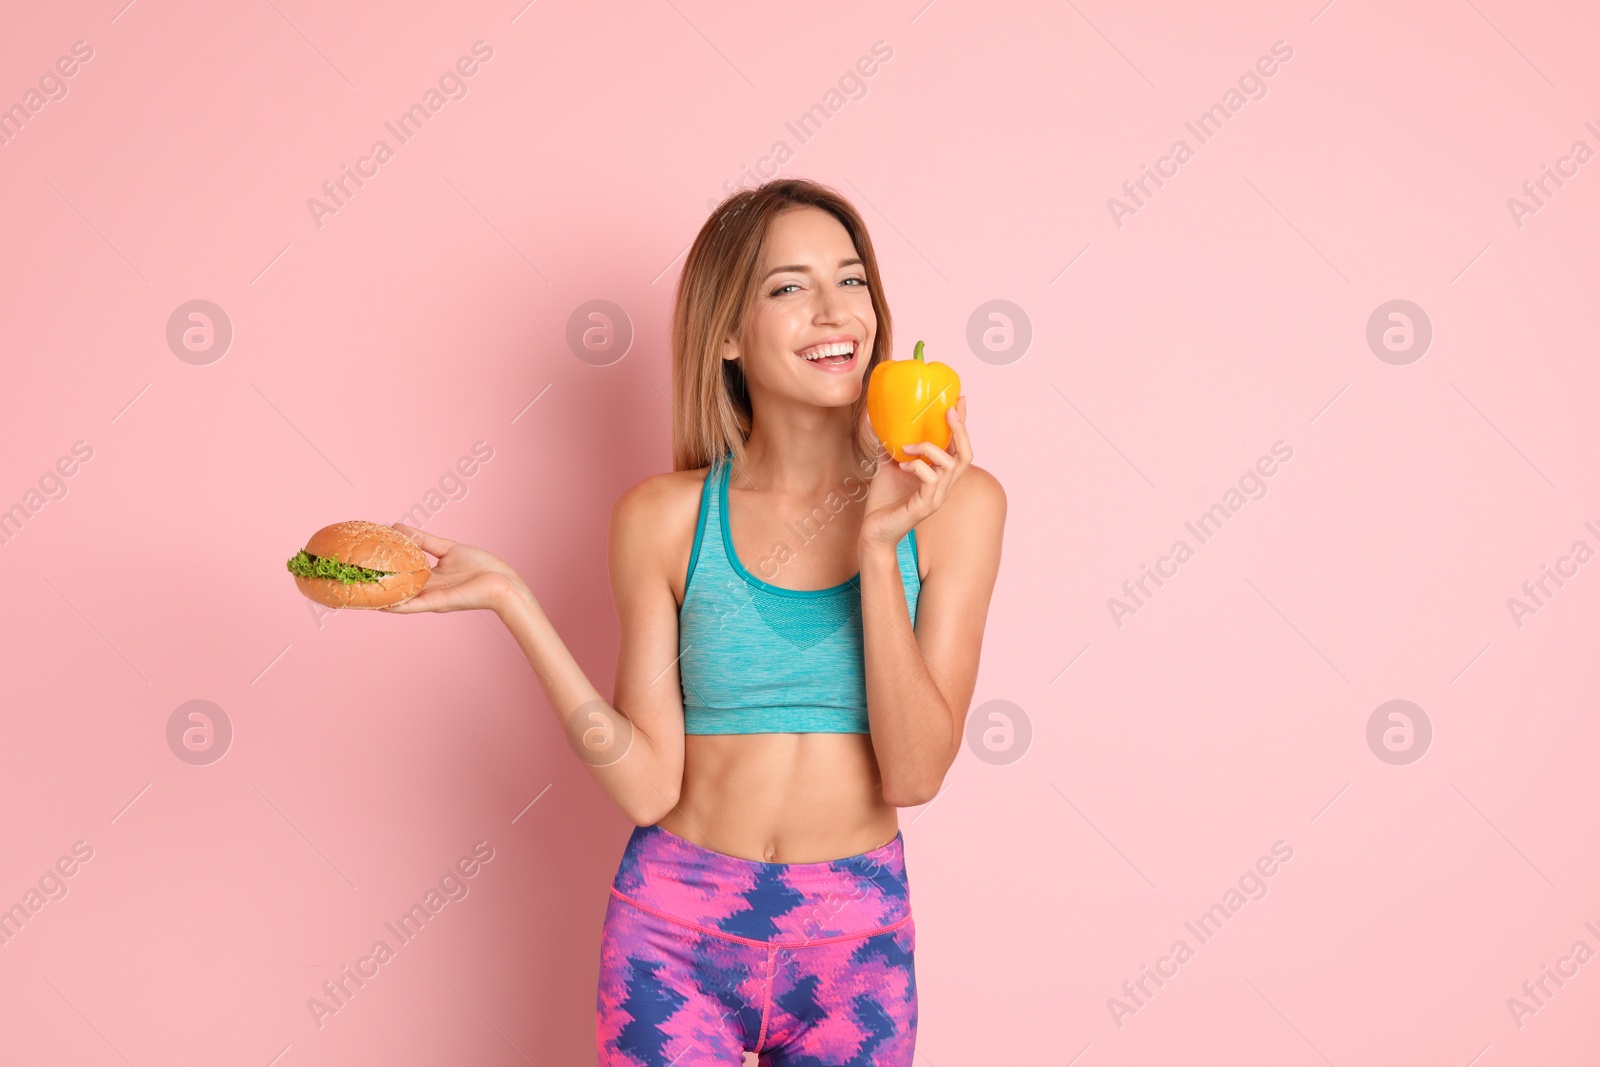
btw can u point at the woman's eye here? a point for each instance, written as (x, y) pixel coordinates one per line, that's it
(795, 285)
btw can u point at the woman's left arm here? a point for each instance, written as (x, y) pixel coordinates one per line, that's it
(920, 681)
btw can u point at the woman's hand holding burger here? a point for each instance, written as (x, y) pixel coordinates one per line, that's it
(365, 565)
(466, 578)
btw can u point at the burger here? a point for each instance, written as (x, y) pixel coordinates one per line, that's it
(360, 565)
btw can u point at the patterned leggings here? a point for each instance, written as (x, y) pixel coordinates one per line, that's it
(705, 956)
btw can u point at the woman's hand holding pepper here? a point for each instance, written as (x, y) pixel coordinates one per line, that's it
(903, 494)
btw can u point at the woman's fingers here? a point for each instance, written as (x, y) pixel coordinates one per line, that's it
(936, 458)
(410, 607)
(932, 454)
(432, 544)
(958, 423)
(921, 469)
(438, 595)
(940, 469)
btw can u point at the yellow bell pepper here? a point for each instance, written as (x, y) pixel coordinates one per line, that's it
(906, 402)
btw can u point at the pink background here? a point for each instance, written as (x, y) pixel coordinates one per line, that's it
(370, 752)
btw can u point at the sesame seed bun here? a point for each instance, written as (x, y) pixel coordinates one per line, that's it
(370, 545)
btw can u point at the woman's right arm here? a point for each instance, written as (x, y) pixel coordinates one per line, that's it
(633, 745)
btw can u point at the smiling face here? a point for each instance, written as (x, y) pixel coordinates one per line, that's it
(812, 299)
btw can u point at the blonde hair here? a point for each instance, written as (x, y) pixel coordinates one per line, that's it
(711, 401)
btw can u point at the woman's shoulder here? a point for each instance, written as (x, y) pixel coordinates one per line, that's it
(982, 487)
(662, 498)
(654, 520)
(977, 496)
(971, 518)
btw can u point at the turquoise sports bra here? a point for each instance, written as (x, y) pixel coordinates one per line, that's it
(755, 658)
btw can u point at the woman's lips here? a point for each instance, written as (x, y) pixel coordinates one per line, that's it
(834, 368)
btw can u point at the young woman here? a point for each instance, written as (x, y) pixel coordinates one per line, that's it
(800, 629)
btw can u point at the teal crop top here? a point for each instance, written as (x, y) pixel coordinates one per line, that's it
(755, 658)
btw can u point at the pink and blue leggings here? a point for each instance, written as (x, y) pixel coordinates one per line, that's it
(705, 956)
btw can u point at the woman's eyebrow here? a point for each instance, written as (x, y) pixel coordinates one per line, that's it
(801, 268)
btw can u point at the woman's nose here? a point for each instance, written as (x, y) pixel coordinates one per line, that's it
(831, 306)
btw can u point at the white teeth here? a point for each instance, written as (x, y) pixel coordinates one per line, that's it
(838, 348)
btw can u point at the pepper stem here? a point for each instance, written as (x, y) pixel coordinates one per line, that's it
(916, 353)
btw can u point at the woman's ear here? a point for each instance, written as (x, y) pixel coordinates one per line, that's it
(730, 349)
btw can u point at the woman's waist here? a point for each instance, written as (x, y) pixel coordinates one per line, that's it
(805, 796)
(816, 830)
(700, 886)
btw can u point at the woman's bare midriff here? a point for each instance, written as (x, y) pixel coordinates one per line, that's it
(782, 798)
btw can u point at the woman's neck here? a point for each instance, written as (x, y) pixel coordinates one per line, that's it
(803, 455)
